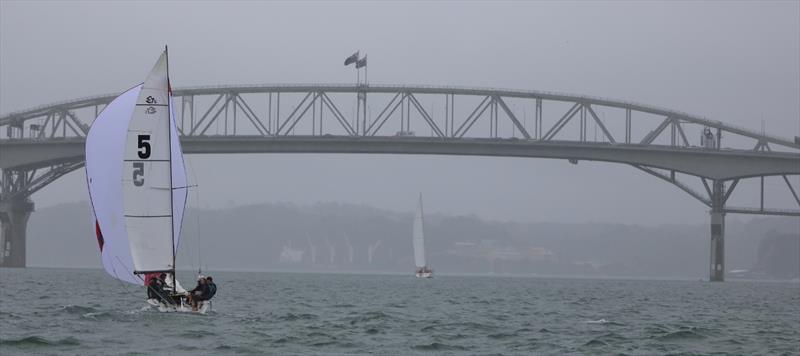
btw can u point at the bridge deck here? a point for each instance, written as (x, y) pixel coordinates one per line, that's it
(713, 164)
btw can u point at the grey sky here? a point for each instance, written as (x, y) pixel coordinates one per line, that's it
(736, 62)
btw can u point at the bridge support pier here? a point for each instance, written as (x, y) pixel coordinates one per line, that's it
(14, 216)
(717, 271)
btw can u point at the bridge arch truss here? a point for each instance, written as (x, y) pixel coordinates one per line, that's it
(508, 122)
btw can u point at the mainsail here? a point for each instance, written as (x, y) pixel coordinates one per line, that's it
(137, 179)
(419, 237)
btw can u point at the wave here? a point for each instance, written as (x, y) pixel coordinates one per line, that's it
(228, 349)
(656, 329)
(396, 305)
(96, 316)
(302, 316)
(332, 343)
(141, 310)
(318, 334)
(502, 336)
(605, 339)
(603, 322)
(682, 335)
(285, 340)
(78, 309)
(7, 315)
(438, 346)
(467, 326)
(596, 342)
(370, 316)
(33, 341)
(197, 334)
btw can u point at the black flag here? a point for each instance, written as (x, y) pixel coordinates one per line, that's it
(352, 59)
(362, 62)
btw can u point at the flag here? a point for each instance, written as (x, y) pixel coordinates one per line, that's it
(362, 62)
(352, 59)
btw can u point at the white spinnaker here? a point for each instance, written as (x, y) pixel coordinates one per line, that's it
(151, 146)
(104, 152)
(419, 236)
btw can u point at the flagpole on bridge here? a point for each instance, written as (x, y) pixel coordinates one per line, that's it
(354, 59)
(358, 99)
(361, 91)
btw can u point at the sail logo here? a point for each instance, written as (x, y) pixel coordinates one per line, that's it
(150, 110)
(151, 100)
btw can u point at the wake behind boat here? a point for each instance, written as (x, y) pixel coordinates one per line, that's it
(418, 239)
(138, 188)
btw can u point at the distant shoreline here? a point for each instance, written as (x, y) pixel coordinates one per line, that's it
(478, 275)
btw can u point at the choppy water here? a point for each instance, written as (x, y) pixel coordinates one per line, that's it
(46, 311)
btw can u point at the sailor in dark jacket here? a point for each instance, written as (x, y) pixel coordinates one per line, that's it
(196, 295)
(212, 288)
(155, 290)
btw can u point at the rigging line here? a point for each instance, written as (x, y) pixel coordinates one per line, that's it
(197, 216)
(183, 187)
(197, 227)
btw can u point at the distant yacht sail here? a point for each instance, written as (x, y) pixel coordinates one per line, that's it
(137, 182)
(418, 238)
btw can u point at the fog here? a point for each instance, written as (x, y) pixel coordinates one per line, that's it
(736, 62)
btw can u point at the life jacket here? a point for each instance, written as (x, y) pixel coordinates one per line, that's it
(212, 289)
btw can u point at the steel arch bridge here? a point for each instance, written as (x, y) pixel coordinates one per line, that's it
(705, 158)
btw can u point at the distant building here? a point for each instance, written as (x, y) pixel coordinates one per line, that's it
(488, 249)
(540, 254)
(290, 255)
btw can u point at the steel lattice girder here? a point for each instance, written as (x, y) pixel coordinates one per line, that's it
(57, 143)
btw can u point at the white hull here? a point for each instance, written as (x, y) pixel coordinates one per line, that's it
(202, 308)
(424, 275)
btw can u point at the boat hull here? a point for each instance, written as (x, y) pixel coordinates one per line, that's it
(202, 308)
(424, 275)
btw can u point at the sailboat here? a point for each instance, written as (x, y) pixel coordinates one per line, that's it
(418, 239)
(138, 186)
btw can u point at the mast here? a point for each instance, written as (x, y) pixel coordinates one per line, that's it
(169, 153)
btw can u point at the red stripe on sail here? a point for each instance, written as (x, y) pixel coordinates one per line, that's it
(99, 235)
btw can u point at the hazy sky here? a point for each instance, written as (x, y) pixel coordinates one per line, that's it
(738, 62)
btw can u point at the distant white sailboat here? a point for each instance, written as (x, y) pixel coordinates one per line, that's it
(138, 186)
(418, 239)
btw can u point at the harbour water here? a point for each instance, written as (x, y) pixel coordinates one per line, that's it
(77, 311)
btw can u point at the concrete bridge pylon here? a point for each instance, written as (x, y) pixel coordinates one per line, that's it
(14, 216)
